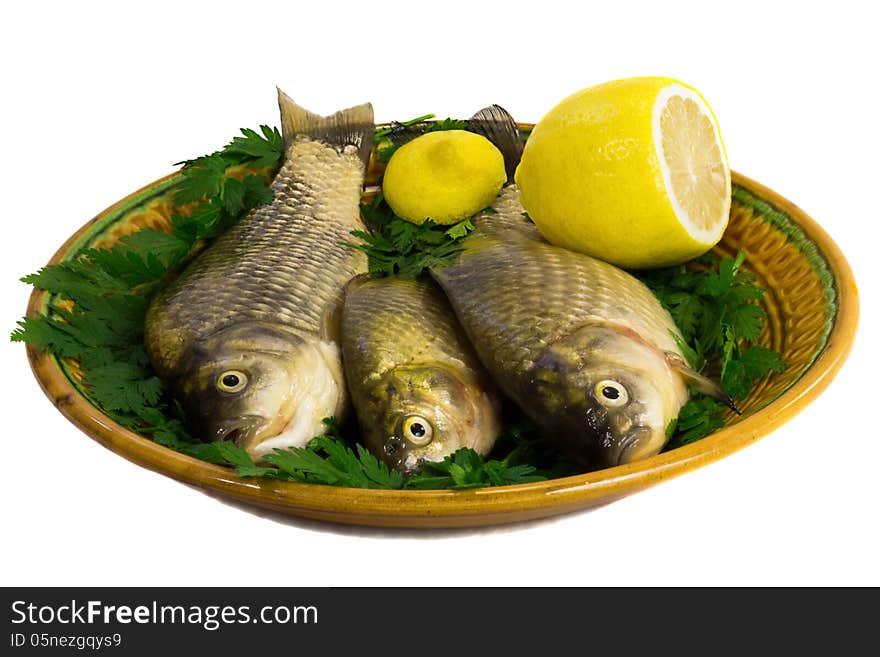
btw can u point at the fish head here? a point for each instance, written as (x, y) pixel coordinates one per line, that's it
(259, 386)
(608, 395)
(426, 413)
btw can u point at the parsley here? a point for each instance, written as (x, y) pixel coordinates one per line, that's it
(228, 183)
(520, 443)
(328, 460)
(396, 246)
(699, 417)
(467, 469)
(459, 230)
(715, 305)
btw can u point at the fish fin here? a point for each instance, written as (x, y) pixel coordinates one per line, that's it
(356, 281)
(331, 322)
(402, 133)
(349, 127)
(699, 382)
(497, 125)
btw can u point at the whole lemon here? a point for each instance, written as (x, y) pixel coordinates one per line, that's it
(445, 176)
(633, 172)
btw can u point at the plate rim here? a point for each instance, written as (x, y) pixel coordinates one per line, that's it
(475, 507)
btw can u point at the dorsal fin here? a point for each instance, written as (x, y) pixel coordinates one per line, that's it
(497, 125)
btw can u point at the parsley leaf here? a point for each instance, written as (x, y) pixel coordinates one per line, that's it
(459, 230)
(396, 246)
(228, 182)
(699, 417)
(202, 178)
(327, 460)
(743, 366)
(123, 386)
(467, 469)
(262, 149)
(716, 306)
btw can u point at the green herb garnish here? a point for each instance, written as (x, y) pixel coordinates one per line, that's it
(228, 183)
(715, 305)
(396, 246)
(328, 460)
(467, 469)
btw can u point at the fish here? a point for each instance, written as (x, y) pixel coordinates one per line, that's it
(247, 337)
(583, 347)
(417, 387)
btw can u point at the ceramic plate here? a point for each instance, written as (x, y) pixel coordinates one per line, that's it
(812, 310)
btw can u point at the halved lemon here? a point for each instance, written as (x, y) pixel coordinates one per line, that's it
(632, 171)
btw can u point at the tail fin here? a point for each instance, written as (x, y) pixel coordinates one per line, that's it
(349, 127)
(497, 125)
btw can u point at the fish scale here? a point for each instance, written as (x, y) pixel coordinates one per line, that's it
(584, 348)
(282, 263)
(547, 301)
(405, 356)
(549, 291)
(396, 322)
(246, 338)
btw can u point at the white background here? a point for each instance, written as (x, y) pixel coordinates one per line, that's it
(100, 100)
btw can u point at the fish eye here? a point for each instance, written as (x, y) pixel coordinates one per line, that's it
(232, 381)
(417, 430)
(611, 393)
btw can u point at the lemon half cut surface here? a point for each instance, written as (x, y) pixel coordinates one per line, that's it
(633, 172)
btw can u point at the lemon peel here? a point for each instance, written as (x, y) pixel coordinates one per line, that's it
(445, 176)
(632, 171)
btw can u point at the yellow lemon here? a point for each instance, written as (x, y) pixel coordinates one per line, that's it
(445, 176)
(633, 172)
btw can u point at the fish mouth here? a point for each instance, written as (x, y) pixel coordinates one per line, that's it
(241, 430)
(412, 466)
(631, 445)
(400, 459)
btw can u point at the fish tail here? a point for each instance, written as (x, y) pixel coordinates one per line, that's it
(349, 127)
(497, 125)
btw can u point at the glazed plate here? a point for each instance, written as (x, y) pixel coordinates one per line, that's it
(812, 311)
